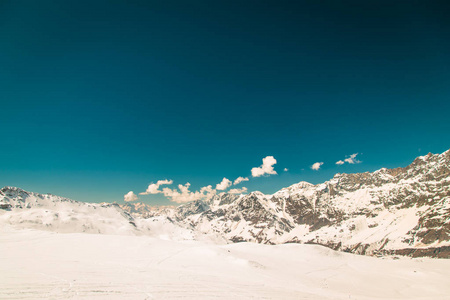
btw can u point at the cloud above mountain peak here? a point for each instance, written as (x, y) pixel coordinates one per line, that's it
(265, 168)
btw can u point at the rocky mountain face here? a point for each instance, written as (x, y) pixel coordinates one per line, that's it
(403, 211)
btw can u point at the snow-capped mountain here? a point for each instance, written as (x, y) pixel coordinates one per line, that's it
(402, 211)
(22, 209)
(396, 211)
(50, 212)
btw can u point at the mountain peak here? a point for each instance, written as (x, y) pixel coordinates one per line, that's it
(11, 188)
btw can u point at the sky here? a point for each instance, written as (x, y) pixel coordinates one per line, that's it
(100, 98)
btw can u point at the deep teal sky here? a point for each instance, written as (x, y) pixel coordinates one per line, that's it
(102, 97)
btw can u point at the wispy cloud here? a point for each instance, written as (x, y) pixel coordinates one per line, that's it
(265, 168)
(130, 196)
(316, 166)
(239, 180)
(351, 159)
(226, 183)
(153, 188)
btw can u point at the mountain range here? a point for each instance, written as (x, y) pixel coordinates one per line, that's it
(402, 211)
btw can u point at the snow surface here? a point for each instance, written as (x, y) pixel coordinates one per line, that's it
(47, 265)
(56, 248)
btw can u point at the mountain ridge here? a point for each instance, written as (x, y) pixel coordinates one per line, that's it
(390, 211)
(400, 211)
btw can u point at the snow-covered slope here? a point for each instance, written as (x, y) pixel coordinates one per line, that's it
(27, 210)
(54, 213)
(396, 211)
(45, 265)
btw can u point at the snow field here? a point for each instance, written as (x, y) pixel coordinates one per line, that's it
(46, 265)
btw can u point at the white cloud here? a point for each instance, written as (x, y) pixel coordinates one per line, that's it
(265, 168)
(153, 188)
(130, 196)
(208, 190)
(286, 169)
(183, 195)
(352, 159)
(238, 191)
(316, 166)
(240, 179)
(226, 183)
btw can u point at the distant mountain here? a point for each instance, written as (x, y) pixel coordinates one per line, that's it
(54, 213)
(21, 209)
(402, 211)
(140, 209)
